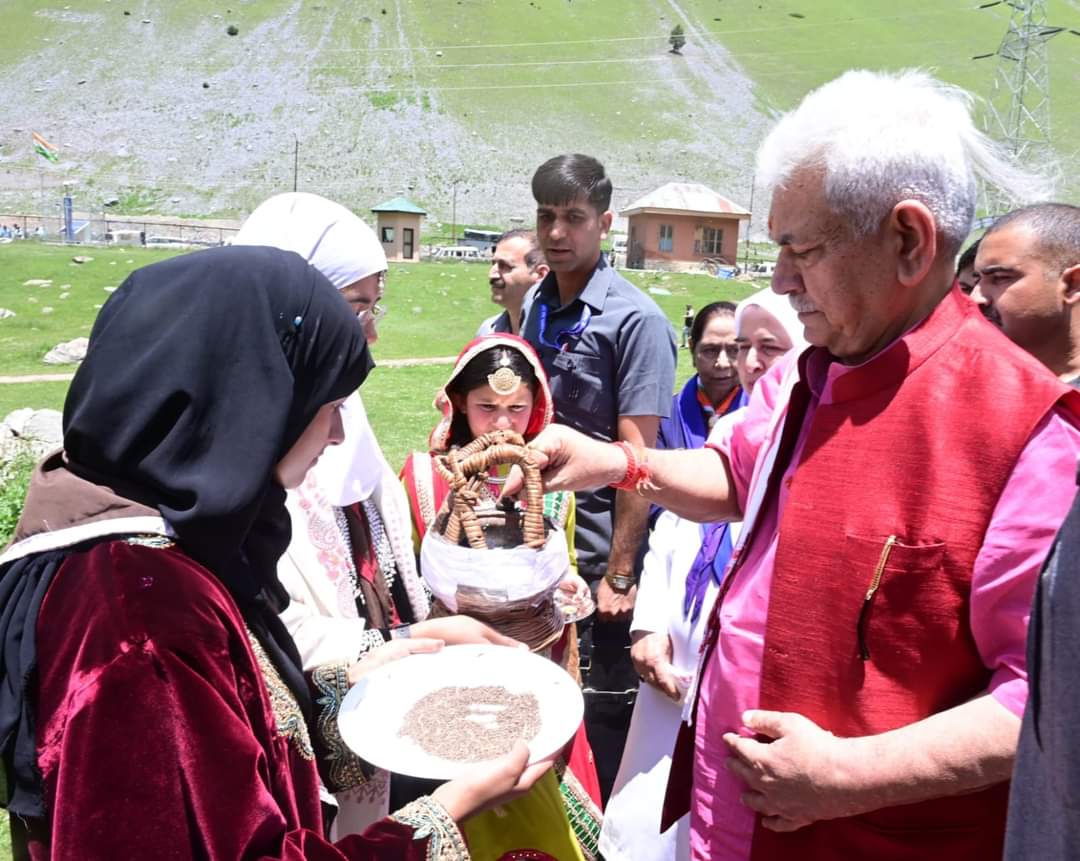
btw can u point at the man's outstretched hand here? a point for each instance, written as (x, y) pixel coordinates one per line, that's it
(569, 460)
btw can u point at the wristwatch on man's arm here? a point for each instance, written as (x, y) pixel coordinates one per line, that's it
(621, 583)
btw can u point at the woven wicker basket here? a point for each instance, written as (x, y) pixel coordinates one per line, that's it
(464, 522)
(467, 470)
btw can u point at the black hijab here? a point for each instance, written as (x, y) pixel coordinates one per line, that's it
(202, 371)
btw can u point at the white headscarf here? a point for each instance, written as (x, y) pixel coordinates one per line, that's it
(351, 471)
(344, 249)
(780, 308)
(326, 234)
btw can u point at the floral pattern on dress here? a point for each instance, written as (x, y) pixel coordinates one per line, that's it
(322, 529)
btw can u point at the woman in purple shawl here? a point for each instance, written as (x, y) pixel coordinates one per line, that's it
(682, 572)
(714, 389)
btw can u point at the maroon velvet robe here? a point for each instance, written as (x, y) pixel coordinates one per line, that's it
(156, 736)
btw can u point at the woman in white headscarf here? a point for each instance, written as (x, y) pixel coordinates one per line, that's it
(331, 238)
(349, 569)
(766, 328)
(680, 580)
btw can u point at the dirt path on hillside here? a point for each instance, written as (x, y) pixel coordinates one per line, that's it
(728, 109)
(385, 363)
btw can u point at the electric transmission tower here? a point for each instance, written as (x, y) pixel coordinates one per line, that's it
(1018, 110)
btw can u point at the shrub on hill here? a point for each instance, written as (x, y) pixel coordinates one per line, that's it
(677, 39)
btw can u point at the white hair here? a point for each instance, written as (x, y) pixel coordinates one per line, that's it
(881, 138)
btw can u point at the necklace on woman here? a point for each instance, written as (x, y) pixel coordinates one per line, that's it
(384, 553)
(354, 580)
(380, 542)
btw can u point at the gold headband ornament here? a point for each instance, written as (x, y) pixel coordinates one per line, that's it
(504, 381)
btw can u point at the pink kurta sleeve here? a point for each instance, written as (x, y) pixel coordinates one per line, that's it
(739, 435)
(1030, 510)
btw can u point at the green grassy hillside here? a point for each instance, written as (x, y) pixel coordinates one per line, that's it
(165, 110)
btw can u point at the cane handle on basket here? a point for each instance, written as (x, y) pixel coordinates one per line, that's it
(466, 469)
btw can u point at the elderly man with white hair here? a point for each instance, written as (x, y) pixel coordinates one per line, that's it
(863, 674)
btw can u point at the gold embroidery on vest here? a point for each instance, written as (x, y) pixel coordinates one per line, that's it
(343, 766)
(287, 715)
(429, 819)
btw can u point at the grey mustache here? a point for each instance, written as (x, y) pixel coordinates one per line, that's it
(801, 304)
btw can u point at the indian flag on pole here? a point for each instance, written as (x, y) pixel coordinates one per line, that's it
(45, 149)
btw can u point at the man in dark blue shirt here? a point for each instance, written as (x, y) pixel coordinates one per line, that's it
(610, 354)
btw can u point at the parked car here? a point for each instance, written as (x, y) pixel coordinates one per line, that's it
(762, 270)
(171, 241)
(125, 237)
(458, 252)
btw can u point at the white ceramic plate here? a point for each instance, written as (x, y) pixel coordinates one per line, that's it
(372, 713)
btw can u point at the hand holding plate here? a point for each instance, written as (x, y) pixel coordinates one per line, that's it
(463, 631)
(391, 651)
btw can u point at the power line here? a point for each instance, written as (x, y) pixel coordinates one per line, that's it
(803, 24)
(742, 55)
(414, 89)
(441, 66)
(606, 39)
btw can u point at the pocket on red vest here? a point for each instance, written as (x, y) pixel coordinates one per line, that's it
(911, 613)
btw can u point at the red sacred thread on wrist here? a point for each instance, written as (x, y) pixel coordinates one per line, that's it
(637, 468)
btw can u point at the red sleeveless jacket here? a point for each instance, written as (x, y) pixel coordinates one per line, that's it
(917, 446)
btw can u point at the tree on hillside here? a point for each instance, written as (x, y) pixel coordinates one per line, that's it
(677, 39)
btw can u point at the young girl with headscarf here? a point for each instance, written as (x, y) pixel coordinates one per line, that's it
(680, 579)
(349, 569)
(498, 383)
(152, 704)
